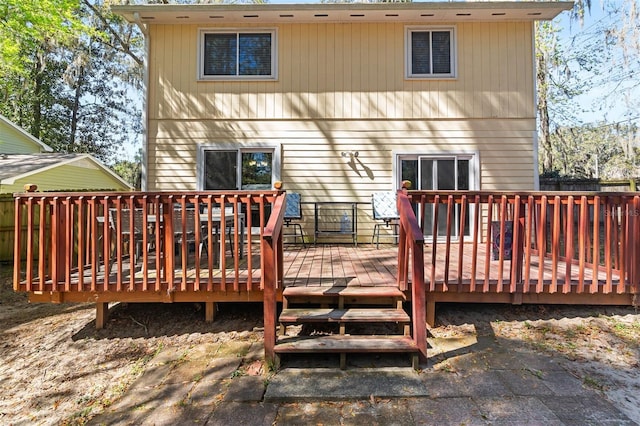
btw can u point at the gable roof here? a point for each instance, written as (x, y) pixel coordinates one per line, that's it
(19, 166)
(419, 12)
(43, 146)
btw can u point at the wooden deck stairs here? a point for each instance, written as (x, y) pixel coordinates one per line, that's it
(345, 308)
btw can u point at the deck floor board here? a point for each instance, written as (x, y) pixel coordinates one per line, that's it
(334, 265)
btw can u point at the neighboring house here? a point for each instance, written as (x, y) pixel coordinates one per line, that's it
(341, 100)
(15, 140)
(57, 172)
(25, 160)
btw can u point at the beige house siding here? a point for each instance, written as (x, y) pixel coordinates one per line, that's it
(311, 151)
(348, 70)
(342, 87)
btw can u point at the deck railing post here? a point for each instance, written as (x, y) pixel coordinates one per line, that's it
(635, 239)
(270, 261)
(518, 239)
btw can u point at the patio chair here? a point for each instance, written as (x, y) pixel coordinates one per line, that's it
(125, 230)
(293, 212)
(188, 234)
(385, 209)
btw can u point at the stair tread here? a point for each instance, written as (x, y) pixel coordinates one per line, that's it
(349, 291)
(345, 343)
(305, 315)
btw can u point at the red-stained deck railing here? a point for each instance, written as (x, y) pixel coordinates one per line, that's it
(576, 243)
(272, 270)
(411, 264)
(139, 241)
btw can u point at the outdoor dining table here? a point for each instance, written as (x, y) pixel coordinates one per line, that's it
(216, 219)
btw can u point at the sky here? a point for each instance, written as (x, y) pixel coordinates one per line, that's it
(576, 37)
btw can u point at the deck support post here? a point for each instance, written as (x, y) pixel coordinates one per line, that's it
(431, 312)
(102, 314)
(209, 311)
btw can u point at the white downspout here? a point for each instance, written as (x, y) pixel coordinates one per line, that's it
(536, 161)
(145, 100)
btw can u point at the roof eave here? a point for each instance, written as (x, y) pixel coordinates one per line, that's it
(341, 12)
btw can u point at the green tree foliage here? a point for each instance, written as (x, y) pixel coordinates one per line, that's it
(603, 55)
(70, 74)
(607, 151)
(131, 171)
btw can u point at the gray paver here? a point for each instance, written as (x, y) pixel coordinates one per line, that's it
(331, 384)
(586, 410)
(245, 388)
(485, 383)
(444, 384)
(523, 382)
(477, 385)
(304, 414)
(243, 413)
(446, 411)
(220, 368)
(527, 410)
(387, 413)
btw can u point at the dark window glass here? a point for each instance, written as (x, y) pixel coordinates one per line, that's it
(430, 52)
(441, 52)
(237, 54)
(220, 170)
(420, 56)
(463, 175)
(220, 52)
(255, 54)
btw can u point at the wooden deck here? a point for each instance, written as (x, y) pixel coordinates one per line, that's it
(566, 248)
(339, 265)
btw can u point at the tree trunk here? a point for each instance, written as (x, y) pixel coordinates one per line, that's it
(36, 106)
(76, 106)
(543, 112)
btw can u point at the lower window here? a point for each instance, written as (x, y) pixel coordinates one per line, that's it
(439, 172)
(244, 169)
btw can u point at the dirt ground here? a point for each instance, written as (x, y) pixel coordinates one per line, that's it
(56, 368)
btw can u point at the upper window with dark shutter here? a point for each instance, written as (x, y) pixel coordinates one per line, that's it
(430, 52)
(237, 54)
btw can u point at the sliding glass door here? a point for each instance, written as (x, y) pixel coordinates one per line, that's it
(441, 173)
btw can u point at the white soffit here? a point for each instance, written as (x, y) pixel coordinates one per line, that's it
(483, 11)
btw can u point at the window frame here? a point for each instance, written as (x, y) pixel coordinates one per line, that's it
(453, 46)
(274, 149)
(237, 31)
(473, 157)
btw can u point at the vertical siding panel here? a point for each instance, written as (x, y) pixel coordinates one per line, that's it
(527, 92)
(347, 47)
(305, 71)
(296, 70)
(482, 61)
(328, 80)
(467, 58)
(395, 45)
(380, 67)
(156, 39)
(285, 57)
(356, 70)
(512, 72)
(340, 70)
(491, 70)
(201, 101)
(373, 88)
(316, 50)
(506, 64)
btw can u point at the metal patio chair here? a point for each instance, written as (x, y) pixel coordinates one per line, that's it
(293, 212)
(385, 209)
